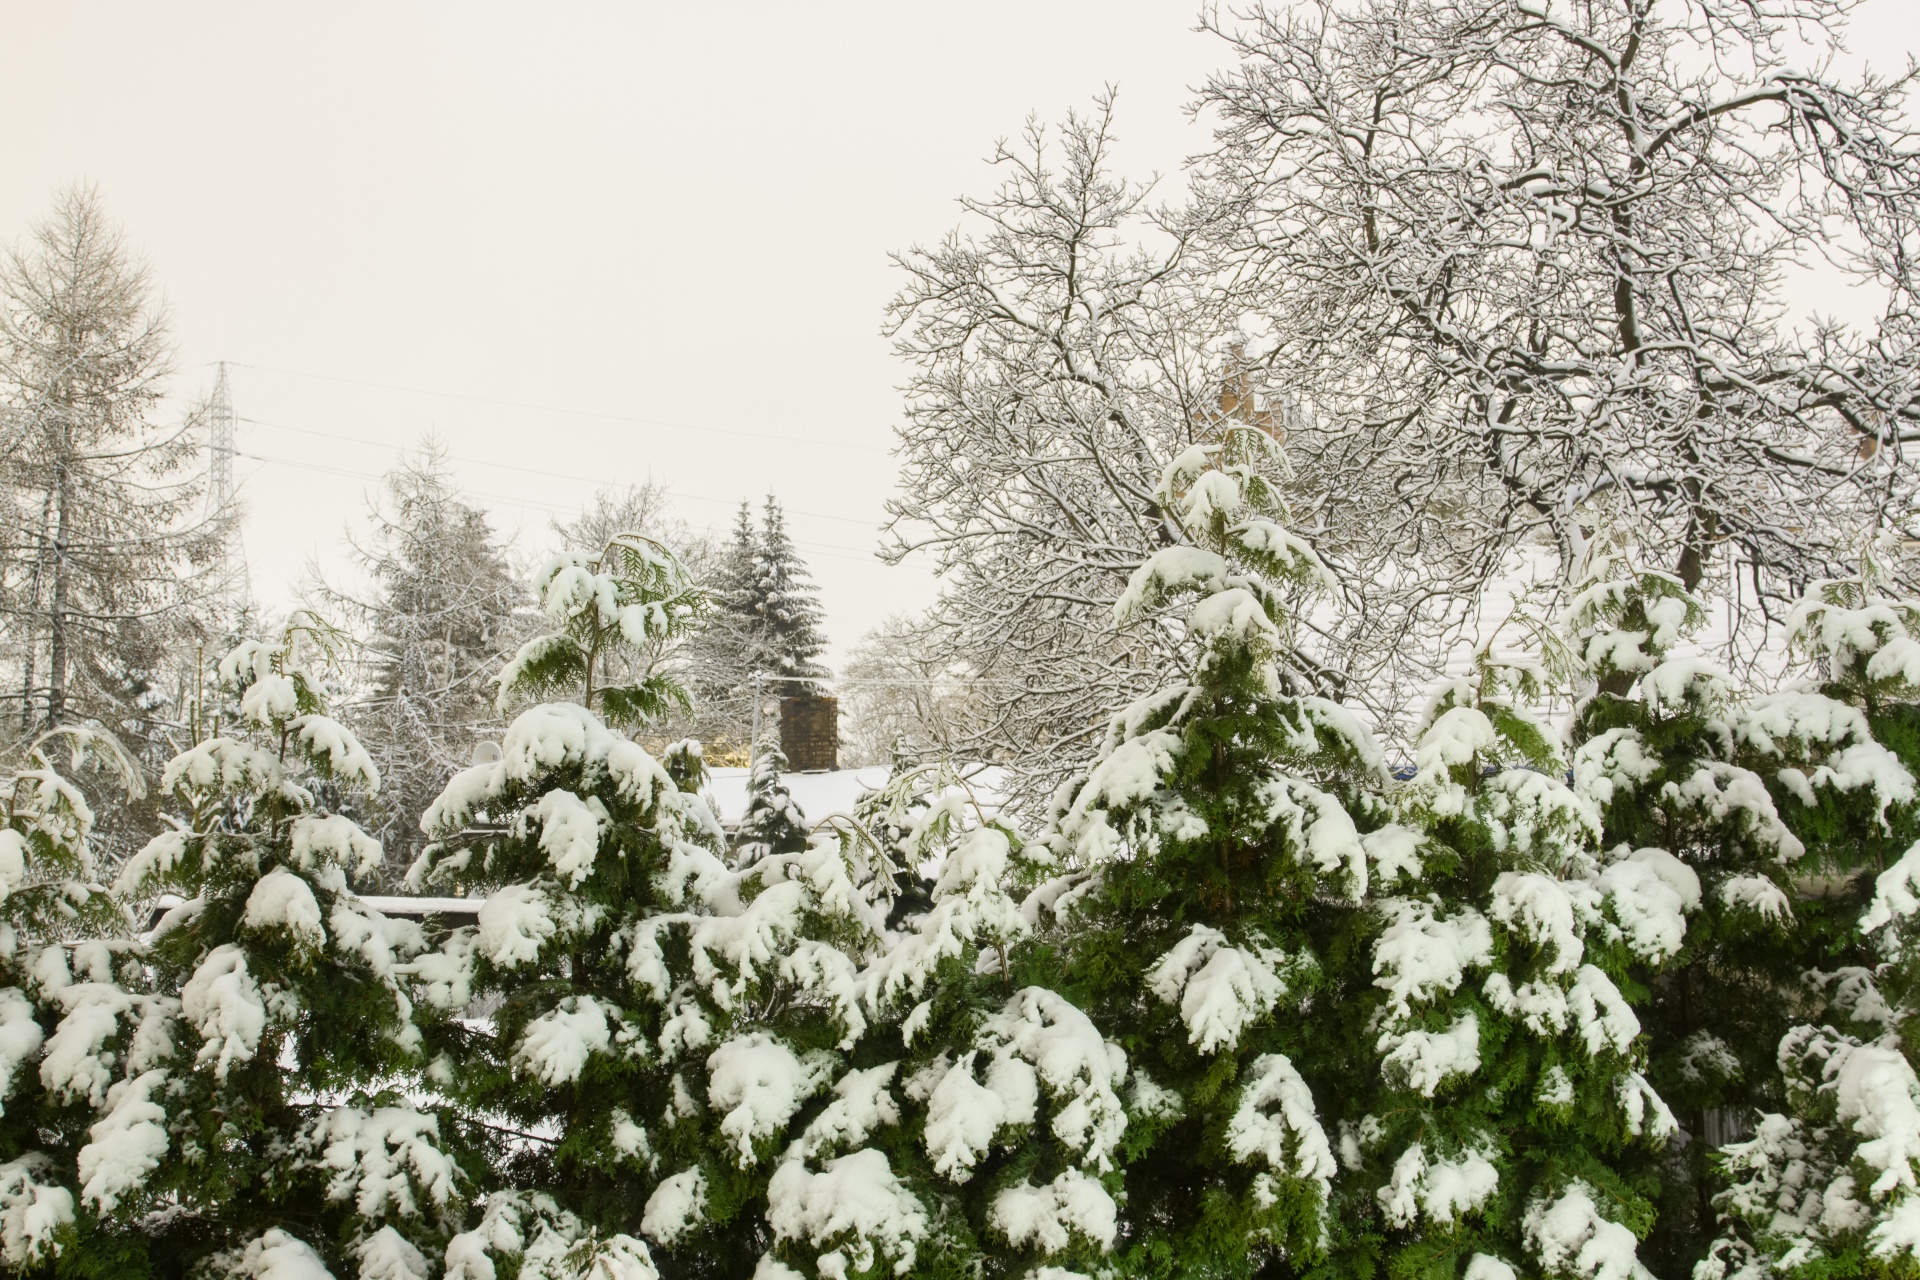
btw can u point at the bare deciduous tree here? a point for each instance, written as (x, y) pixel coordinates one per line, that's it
(1524, 259)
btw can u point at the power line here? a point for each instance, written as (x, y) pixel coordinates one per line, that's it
(548, 408)
(829, 549)
(532, 471)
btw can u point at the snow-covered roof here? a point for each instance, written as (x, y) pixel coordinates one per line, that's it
(830, 791)
(818, 794)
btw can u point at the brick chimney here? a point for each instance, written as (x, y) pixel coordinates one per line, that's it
(810, 732)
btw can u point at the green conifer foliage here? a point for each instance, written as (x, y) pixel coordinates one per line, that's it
(1209, 886)
(1510, 1124)
(67, 1047)
(656, 1021)
(277, 1111)
(618, 613)
(1826, 1181)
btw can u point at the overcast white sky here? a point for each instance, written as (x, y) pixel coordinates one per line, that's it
(675, 216)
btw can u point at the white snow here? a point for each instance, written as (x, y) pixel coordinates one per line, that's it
(1568, 1235)
(1894, 895)
(1538, 908)
(1168, 572)
(1081, 1070)
(333, 840)
(1219, 989)
(569, 835)
(333, 743)
(1645, 1111)
(279, 1256)
(1541, 1006)
(556, 1045)
(33, 1210)
(759, 1083)
(388, 1255)
(854, 1202)
(224, 1005)
(1601, 1015)
(1612, 763)
(963, 1115)
(1721, 792)
(386, 1160)
(1275, 1122)
(1424, 1060)
(283, 900)
(1047, 1217)
(1757, 894)
(1419, 955)
(862, 1105)
(1444, 1189)
(127, 1144)
(1651, 892)
(515, 922)
(20, 1037)
(677, 1206)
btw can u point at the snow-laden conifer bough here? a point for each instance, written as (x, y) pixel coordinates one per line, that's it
(1621, 1003)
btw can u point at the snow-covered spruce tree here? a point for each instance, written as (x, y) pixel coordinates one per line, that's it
(657, 1021)
(772, 822)
(271, 1124)
(1509, 1127)
(620, 613)
(442, 612)
(56, 922)
(1208, 883)
(786, 608)
(1828, 1183)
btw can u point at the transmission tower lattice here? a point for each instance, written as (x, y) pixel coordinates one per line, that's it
(234, 579)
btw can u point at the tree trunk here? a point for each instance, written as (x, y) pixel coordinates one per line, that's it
(62, 576)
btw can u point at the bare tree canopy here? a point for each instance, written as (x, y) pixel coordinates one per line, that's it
(1058, 357)
(1525, 261)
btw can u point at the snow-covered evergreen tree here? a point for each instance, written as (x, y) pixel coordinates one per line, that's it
(438, 620)
(1507, 1125)
(1828, 1181)
(772, 822)
(619, 612)
(786, 608)
(66, 1047)
(659, 1021)
(1114, 1074)
(271, 1123)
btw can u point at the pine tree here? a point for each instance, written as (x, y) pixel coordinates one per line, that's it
(275, 1127)
(782, 601)
(662, 1018)
(439, 620)
(772, 823)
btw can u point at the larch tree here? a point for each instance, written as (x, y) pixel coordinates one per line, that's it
(105, 539)
(441, 612)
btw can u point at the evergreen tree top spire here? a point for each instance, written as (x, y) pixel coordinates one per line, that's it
(785, 605)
